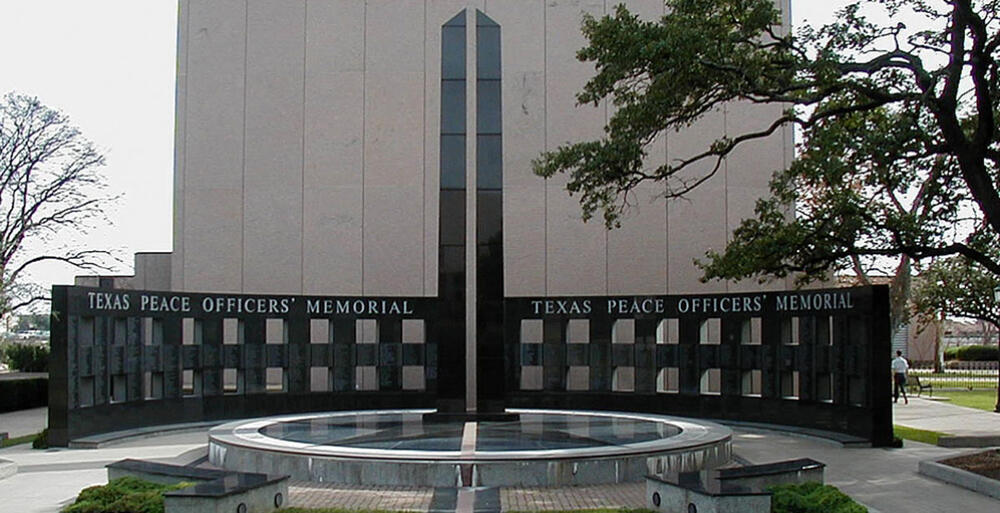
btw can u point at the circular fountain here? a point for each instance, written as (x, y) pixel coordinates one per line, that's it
(538, 448)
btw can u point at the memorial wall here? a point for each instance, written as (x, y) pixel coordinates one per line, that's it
(128, 359)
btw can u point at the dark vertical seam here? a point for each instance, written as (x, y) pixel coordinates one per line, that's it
(184, 188)
(423, 192)
(243, 165)
(302, 220)
(666, 201)
(725, 184)
(607, 231)
(545, 145)
(364, 133)
(472, 215)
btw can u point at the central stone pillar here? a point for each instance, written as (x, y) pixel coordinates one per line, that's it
(469, 331)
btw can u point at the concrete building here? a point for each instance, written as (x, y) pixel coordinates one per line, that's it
(357, 224)
(312, 137)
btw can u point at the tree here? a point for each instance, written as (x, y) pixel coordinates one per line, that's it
(899, 150)
(50, 187)
(958, 287)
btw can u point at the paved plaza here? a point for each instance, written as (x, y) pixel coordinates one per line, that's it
(885, 480)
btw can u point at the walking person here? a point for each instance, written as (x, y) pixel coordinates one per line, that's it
(899, 368)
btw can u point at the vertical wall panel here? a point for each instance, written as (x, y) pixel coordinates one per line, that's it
(638, 250)
(576, 253)
(213, 124)
(176, 262)
(393, 139)
(750, 169)
(523, 101)
(274, 132)
(334, 135)
(699, 223)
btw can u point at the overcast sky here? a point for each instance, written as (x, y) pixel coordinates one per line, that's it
(110, 65)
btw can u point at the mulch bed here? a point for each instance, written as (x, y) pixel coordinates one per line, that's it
(984, 463)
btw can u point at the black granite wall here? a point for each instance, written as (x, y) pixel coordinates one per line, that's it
(815, 359)
(125, 359)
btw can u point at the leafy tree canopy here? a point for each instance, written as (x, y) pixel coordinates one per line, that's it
(959, 287)
(898, 151)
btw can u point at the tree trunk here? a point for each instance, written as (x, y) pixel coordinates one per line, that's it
(938, 336)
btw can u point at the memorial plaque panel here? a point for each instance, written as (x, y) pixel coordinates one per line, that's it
(413, 354)
(320, 355)
(116, 360)
(576, 354)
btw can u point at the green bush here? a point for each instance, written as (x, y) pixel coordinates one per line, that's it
(27, 357)
(123, 495)
(812, 498)
(977, 353)
(42, 440)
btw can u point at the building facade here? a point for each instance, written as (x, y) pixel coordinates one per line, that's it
(357, 225)
(316, 139)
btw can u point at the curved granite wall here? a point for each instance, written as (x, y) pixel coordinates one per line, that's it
(126, 359)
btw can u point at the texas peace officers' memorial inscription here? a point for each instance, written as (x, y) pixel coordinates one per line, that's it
(357, 227)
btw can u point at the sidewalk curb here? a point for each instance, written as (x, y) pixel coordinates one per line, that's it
(983, 441)
(7, 469)
(958, 477)
(103, 440)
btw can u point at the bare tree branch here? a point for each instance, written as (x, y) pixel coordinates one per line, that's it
(50, 187)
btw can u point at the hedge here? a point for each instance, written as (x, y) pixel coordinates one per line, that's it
(126, 494)
(976, 353)
(812, 498)
(22, 394)
(26, 357)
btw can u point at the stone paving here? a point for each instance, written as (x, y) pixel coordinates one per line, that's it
(316, 495)
(885, 480)
(320, 495)
(630, 495)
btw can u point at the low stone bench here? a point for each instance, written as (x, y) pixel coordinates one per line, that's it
(216, 491)
(7, 468)
(728, 490)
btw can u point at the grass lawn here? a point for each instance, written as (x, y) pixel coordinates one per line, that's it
(338, 510)
(979, 399)
(335, 510)
(917, 435)
(26, 439)
(601, 510)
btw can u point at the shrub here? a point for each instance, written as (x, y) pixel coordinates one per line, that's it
(975, 353)
(812, 498)
(123, 495)
(42, 440)
(27, 358)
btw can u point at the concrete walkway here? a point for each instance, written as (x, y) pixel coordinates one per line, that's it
(24, 422)
(885, 480)
(946, 417)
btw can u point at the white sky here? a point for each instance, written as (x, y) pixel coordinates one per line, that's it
(110, 65)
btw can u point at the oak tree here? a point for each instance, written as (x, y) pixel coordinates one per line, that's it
(898, 145)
